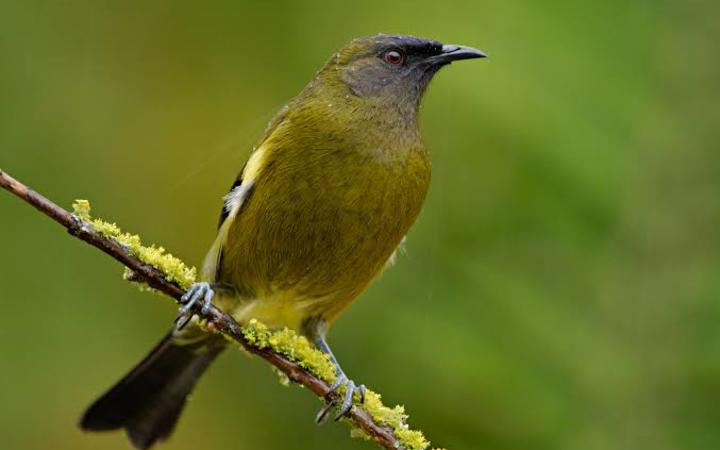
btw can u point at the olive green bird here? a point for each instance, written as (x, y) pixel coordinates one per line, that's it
(317, 212)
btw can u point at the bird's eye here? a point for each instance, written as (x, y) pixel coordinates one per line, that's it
(394, 57)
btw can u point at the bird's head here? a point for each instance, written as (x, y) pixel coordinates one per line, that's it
(392, 68)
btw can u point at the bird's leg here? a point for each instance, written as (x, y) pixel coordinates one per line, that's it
(316, 330)
(202, 293)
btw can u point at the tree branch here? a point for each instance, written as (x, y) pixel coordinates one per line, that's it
(384, 436)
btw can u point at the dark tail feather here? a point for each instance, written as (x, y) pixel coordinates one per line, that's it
(148, 400)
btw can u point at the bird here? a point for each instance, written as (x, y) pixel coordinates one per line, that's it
(318, 211)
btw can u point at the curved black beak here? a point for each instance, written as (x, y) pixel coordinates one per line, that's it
(452, 53)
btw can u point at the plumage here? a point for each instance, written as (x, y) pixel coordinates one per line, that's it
(317, 212)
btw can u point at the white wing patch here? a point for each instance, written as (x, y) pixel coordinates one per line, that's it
(235, 198)
(233, 201)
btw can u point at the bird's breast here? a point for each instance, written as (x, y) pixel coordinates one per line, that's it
(320, 225)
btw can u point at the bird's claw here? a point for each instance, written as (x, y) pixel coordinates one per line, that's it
(347, 401)
(202, 293)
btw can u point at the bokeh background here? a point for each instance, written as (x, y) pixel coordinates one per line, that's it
(559, 291)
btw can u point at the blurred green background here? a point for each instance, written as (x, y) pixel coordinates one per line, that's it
(559, 291)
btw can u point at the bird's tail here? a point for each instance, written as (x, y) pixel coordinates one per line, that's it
(148, 400)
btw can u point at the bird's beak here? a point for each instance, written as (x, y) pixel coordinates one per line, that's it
(452, 53)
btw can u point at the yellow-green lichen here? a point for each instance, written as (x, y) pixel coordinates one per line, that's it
(282, 376)
(290, 344)
(173, 268)
(394, 418)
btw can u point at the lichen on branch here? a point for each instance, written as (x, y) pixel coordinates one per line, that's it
(297, 348)
(172, 267)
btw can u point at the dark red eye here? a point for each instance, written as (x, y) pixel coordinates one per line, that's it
(394, 57)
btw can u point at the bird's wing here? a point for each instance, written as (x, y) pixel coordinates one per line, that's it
(224, 212)
(239, 194)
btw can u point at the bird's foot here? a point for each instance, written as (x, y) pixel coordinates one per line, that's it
(347, 401)
(201, 293)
